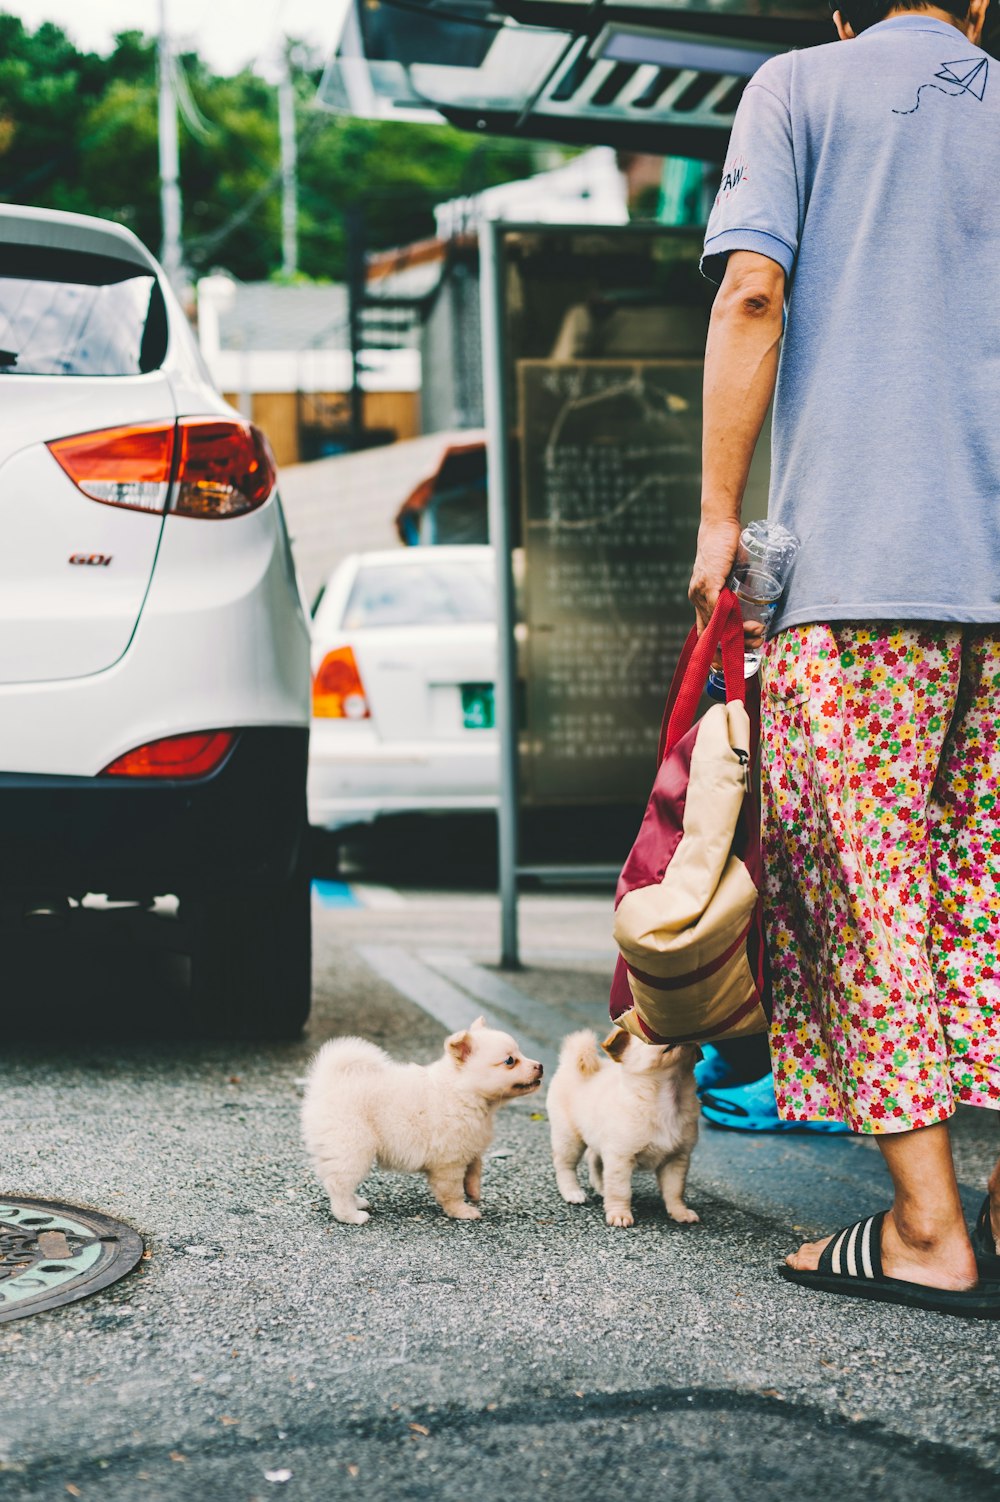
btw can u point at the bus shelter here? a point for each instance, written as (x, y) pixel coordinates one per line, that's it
(593, 343)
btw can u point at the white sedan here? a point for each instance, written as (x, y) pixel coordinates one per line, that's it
(403, 661)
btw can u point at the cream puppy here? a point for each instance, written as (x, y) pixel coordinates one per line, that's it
(639, 1110)
(361, 1107)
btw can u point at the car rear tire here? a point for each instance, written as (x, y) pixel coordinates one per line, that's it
(251, 961)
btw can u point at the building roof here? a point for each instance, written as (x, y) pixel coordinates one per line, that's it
(410, 271)
(260, 336)
(588, 189)
(267, 316)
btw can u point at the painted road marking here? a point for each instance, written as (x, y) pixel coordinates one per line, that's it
(545, 1024)
(418, 983)
(453, 989)
(379, 899)
(457, 1008)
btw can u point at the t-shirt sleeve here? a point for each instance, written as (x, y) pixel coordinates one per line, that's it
(757, 205)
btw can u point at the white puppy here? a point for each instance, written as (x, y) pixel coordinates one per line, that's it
(361, 1107)
(639, 1111)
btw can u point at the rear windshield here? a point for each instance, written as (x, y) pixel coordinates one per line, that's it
(421, 594)
(70, 314)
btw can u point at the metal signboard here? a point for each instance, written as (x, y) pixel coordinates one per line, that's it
(611, 470)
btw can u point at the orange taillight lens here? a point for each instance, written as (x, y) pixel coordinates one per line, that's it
(218, 467)
(175, 756)
(128, 467)
(337, 691)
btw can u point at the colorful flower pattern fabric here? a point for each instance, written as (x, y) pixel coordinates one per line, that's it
(881, 831)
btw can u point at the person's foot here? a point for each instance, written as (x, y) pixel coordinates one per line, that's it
(935, 1260)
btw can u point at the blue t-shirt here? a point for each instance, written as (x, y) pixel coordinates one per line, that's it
(870, 171)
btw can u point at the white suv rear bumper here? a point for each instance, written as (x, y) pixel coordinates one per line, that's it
(221, 643)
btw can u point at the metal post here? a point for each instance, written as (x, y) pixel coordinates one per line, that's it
(289, 190)
(354, 225)
(170, 187)
(498, 481)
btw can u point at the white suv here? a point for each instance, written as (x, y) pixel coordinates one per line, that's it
(154, 650)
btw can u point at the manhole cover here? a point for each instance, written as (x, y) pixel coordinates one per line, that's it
(51, 1254)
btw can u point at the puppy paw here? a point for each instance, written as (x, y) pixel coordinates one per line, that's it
(683, 1214)
(620, 1218)
(462, 1212)
(574, 1196)
(352, 1217)
(361, 1204)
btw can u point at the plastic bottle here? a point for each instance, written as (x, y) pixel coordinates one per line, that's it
(763, 563)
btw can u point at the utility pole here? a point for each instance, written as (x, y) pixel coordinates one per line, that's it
(354, 226)
(289, 188)
(170, 185)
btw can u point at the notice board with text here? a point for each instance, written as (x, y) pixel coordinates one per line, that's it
(610, 469)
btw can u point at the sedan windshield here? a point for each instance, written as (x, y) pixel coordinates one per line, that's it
(423, 593)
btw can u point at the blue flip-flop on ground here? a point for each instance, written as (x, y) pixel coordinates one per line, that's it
(752, 1108)
(712, 1071)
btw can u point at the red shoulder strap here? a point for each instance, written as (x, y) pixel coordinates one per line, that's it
(724, 630)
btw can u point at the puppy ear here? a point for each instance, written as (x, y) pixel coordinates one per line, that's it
(616, 1043)
(459, 1045)
(479, 1022)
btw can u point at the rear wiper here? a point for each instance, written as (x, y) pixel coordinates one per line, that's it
(7, 357)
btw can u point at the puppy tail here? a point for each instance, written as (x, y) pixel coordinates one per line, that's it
(347, 1056)
(579, 1051)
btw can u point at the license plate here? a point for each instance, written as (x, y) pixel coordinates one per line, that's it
(477, 706)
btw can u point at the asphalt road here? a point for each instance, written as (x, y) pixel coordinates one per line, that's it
(348, 503)
(261, 1350)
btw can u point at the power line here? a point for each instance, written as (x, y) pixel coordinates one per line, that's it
(193, 117)
(205, 245)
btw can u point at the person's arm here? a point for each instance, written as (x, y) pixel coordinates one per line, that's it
(741, 364)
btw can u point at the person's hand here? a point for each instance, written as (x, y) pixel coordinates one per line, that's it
(718, 544)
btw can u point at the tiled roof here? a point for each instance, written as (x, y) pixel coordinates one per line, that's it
(264, 316)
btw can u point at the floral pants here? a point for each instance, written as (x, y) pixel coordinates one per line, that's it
(881, 831)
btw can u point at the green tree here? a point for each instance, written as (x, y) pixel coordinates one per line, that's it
(79, 131)
(46, 89)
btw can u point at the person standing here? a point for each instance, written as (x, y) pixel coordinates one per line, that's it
(856, 240)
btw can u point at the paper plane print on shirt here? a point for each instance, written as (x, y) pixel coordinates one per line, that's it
(967, 75)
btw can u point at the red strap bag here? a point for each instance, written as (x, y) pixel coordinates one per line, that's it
(692, 965)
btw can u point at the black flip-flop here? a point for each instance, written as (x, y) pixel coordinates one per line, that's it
(985, 1247)
(852, 1264)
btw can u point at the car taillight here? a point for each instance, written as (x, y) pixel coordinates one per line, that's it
(224, 468)
(121, 466)
(337, 691)
(212, 467)
(174, 756)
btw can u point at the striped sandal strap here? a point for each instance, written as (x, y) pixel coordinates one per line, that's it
(983, 1241)
(856, 1252)
(984, 1245)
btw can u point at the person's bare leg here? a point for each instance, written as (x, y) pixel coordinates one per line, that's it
(924, 1236)
(994, 1188)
